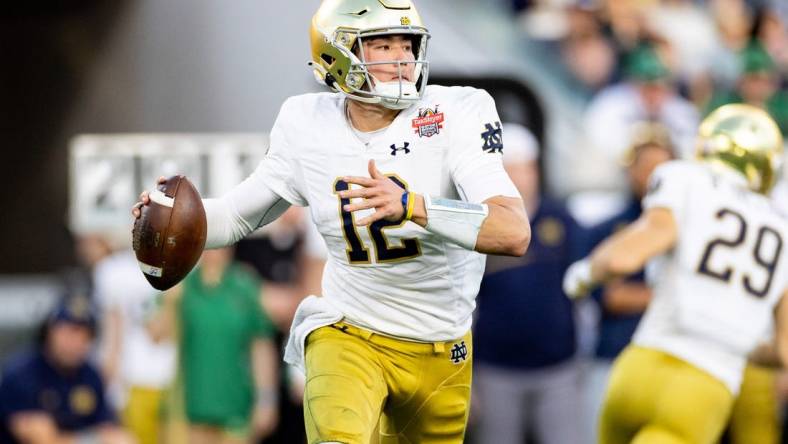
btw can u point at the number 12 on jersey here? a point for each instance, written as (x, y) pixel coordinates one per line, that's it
(357, 252)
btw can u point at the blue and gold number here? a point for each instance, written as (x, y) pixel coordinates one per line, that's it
(725, 274)
(768, 263)
(357, 253)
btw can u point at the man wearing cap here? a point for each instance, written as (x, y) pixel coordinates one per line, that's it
(526, 378)
(758, 85)
(648, 93)
(52, 395)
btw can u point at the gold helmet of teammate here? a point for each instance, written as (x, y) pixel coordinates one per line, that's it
(745, 139)
(337, 31)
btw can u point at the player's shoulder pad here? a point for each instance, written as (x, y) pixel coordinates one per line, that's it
(677, 173)
(304, 107)
(679, 170)
(465, 97)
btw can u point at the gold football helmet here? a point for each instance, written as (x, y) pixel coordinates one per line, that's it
(745, 139)
(337, 31)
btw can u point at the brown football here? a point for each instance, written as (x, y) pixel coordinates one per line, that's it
(169, 236)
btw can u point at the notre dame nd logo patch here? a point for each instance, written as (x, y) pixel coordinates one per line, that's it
(492, 137)
(459, 353)
(429, 122)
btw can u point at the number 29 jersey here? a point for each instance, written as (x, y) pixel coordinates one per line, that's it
(715, 292)
(394, 278)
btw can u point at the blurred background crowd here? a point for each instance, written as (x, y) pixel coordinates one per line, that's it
(594, 94)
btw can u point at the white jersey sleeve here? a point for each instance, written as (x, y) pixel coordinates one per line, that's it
(279, 169)
(475, 157)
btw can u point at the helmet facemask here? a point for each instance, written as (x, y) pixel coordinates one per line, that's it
(360, 84)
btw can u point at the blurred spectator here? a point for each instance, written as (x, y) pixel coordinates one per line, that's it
(626, 20)
(526, 376)
(689, 29)
(138, 368)
(622, 302)
(734, 19)
(228, 361)
(586, 52)
(759, 85)
(52, 394)
(275, 252)
(772, 30)
(89, 250)
(647, 94)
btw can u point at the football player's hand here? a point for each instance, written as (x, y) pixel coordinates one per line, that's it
(379, 192)
(577, 279)
(144, 199)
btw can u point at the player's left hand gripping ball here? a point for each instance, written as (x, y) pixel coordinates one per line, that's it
(169, 236)
(379, 192)
(577, 279)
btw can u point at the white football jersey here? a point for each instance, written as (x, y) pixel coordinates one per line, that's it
(394, 278)
(715, 292)
(119, 285)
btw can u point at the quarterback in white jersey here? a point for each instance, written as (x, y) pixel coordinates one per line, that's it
(718, 269)
(391, 276)
(406, 185)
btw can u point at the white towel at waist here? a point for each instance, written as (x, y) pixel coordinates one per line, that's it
(312, 313)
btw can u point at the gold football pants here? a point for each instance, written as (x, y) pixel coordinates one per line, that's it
(418, 392)
(141, 414)
(755, 417)
(656, 398)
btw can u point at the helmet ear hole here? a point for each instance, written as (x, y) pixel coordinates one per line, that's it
(327, 58)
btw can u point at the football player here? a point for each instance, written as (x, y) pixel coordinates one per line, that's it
(406, 185)
(718, 272)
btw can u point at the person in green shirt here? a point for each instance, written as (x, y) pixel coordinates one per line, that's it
(759, 85)
(228, 362)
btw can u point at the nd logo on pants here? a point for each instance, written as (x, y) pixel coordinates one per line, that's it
(420, 392)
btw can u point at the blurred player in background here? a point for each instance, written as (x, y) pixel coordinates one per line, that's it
(622, 301)
(719, 274)
(391, 336)
(52, 394)
(133, 364)
(527, 377)
(228, 359)
(755, 416)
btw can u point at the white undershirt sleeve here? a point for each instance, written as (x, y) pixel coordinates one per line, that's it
(264, 195)
(248, 206)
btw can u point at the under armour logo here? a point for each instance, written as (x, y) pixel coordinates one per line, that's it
(395, 148)
(459, 352)
(493, 138)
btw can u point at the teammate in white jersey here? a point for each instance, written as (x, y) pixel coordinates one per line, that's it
(406, 185)
(719, 271)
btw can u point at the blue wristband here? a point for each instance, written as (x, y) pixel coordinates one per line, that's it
(404, 201)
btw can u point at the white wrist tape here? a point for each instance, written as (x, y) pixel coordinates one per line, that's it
(455, 220)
